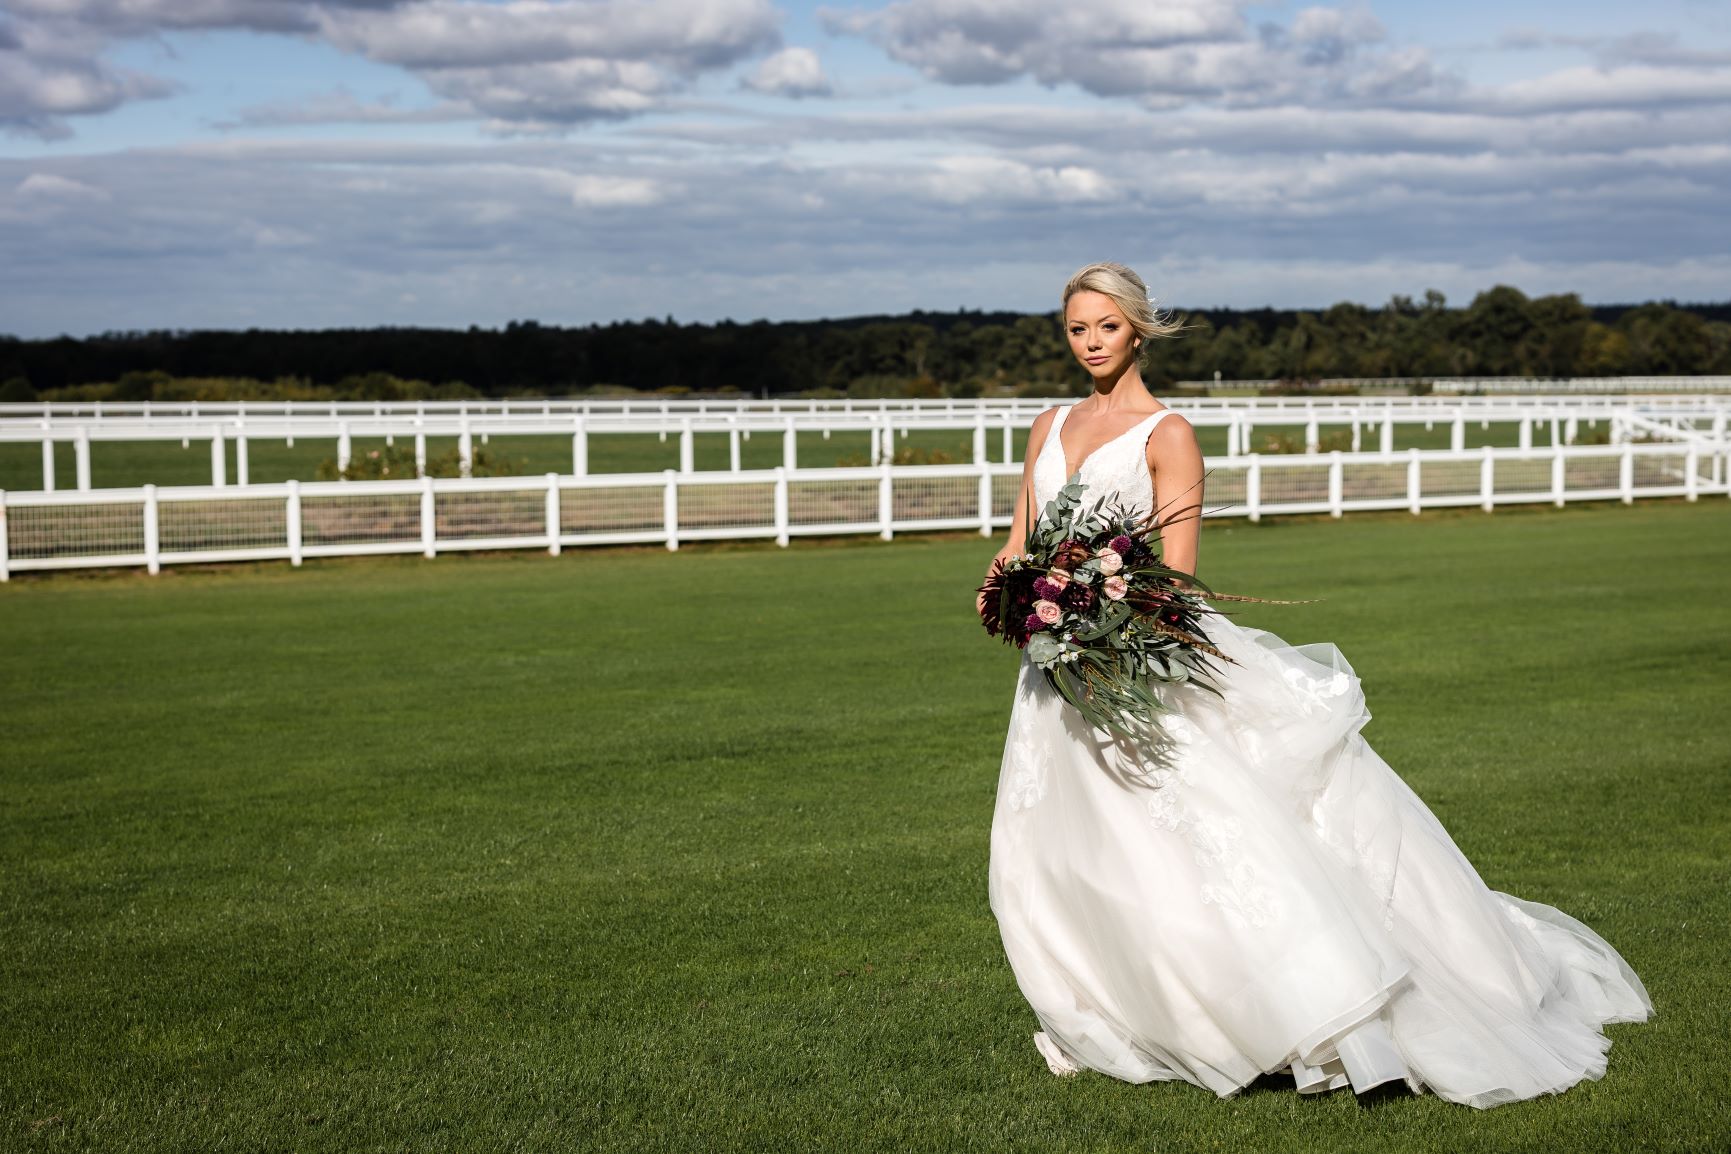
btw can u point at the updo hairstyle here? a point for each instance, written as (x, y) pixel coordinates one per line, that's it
(1129, 294)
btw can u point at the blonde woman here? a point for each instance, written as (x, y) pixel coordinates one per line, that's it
(1262, 893)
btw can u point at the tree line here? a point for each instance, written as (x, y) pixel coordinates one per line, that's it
(1502, 332)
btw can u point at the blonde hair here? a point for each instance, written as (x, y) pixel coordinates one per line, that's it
(1128, 293)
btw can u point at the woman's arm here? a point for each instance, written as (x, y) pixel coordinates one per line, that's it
(1175, 462)
(1025, 495)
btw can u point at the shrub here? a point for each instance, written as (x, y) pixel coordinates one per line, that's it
(397, 462)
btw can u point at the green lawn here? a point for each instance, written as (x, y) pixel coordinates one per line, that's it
(118, 465)
(629, 850)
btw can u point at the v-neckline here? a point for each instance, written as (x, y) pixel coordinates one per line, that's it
(1090, 455)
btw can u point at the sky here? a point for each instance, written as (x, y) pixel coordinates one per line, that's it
(352, 163)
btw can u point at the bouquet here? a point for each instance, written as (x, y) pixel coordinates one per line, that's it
(1100, 615)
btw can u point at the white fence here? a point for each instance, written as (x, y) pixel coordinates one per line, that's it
(152, 527)
(1372, 422)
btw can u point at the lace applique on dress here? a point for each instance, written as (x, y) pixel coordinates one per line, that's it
(1242, 898)
(1031, 766)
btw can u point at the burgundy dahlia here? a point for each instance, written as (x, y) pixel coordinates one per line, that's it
(1078, 597)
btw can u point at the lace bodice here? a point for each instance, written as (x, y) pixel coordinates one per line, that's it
(1118, 469)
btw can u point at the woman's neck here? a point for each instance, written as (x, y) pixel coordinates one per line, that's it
(1124, 392)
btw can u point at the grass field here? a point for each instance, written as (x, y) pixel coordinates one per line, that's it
(630, 851)
(119, 465)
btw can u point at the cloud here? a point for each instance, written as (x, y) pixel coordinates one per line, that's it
(48, 73)
(122, 18)
(527, 64)
(557, 63)
(794, 72)
(1165, 54)
(47, 186)
(339, 106)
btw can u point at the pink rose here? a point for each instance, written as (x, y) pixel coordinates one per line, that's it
(1047, 612)
(1110, 561)
(1060, 578)
(1115, 587)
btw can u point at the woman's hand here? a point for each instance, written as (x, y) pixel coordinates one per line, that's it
(980, 602)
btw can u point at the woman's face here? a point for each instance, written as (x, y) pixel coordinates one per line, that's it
(1099, 335)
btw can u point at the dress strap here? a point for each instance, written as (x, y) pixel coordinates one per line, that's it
(1152, 422)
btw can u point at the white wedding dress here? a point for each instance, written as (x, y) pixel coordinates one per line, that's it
(1265, 894)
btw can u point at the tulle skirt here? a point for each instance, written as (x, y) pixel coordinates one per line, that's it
(1262, 893)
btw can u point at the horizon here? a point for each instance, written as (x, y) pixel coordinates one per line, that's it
(959, 311)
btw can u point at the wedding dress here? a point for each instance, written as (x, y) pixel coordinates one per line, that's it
(1264, 894)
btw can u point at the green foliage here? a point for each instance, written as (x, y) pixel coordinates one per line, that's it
(396, 462)
(160, 386)
(1501, 332)
(16, 389)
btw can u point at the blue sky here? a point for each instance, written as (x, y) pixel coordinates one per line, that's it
(295, 163)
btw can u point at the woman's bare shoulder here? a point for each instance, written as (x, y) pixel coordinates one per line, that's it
(1172, 440)
(1174, 423)
(1041, 426)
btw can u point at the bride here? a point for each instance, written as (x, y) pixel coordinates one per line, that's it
(1262, 894)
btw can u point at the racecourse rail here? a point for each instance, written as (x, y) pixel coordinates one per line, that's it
(82, 425)
(152, 527)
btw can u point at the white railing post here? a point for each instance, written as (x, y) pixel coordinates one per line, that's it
(1414, 489)
(292, 522)
(429, 520)
(790, 447)
(1691, 466)
(420, 453)
(345, 450)
(1253, 488)
(980, 441)
(553, 514)
(465, 447)
(1357, 431)
(1526, 432)
(1335, 486)
(218, 458)
(781, 517)
(886, 502)
(1571, 430)
(1626, 474)
(1009, 442)
(242, 464)
(579, 447)
(152, 532)
(47, 464)
(1385, 440)
(5, 549)
(985, 498)
(1458, 433)
(1557, 477)
(1232, 446)
(81, 458)
(1487, 480)
(1312, 438)
(670, 508)
(687, 447)
(733, 445)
